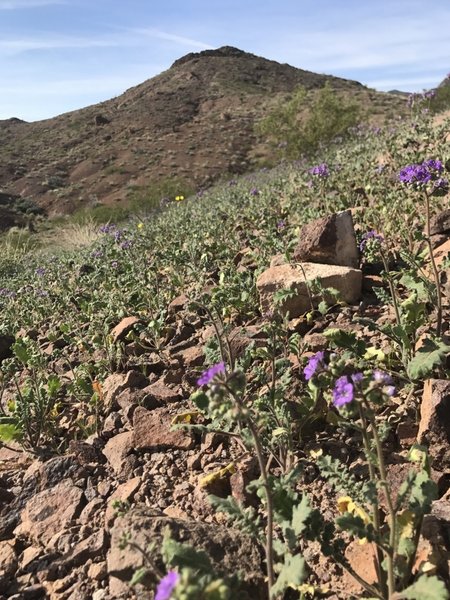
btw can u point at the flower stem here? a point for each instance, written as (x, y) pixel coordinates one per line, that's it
(390, 553)
(433, 265)
(264, 476)
(375, 512)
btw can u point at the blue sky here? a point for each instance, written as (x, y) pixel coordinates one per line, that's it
(60, 55)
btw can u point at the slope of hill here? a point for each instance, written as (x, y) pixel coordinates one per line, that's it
(193, 123)
(152, 382)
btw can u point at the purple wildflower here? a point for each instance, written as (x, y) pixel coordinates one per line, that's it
(357, 377)
(126, 244)
(208, 375)
(433, 165)
(440, 184)
(254, 192)
(320, 170)
(314, 363)
(40, 271)
(369, 238)
(114, 264)
(167, 585)
(97, 254)
(107, 228)
(382, 378)
(281, 224)
(419, 175)
(343, 391)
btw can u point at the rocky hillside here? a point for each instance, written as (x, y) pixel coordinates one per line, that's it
(249, 389)
(193, 123)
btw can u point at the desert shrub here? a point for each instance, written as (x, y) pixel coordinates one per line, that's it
(441, 100)
(297, 132)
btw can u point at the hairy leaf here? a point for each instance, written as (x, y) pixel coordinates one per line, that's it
(425, 588)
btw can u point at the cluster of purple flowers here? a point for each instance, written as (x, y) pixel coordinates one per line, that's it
(315, 364)
(345, 386)
(370, 238)
(108, 228)
(7, 293)
(167, 585)
(40, 271)
(343, 392)
(208, 375)
(254, 192)
(321, 170)
(281, 224)
(421, 97)
(419, 175)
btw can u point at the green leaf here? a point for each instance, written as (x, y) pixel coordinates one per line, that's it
(425, 588)
(181, 556)
(356, 526)
(345, 339)
(9, 433)
(22, 351)
(430, 355)
(300, 515)
(138, 576)
(292, 574)
(54, 385)
(201, 400)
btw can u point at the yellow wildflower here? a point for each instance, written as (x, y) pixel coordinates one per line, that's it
(179, 198)
(346, 504)
(140, 225)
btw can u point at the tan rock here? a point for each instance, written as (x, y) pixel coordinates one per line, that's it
(124, 493)
(440, 223)
(178, 304)
(329, 240)
(8, 560)
(298, 278)
(161, 393)
(434, 426)
(362, 559)
(277, 260)
(152, 429)
(228, 549)
(50, 511)
(123, 328)
(441, 252)
(117, 450)
(115, 384)
(191, 357)
(98, 571)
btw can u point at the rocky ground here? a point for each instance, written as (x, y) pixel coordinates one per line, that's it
(63, 516)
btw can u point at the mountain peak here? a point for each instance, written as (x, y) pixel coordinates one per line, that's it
(222, 52)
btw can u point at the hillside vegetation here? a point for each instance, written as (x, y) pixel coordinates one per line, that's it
(149, 392)
(193, 123)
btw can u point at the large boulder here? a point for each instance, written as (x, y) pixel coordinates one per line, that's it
(229, 550)
(434, 426)
(298, 279)
(330, 240)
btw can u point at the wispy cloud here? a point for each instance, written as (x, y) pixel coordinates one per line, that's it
(171, 37)
(21, 4)
(16, 46)
(127, 38)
